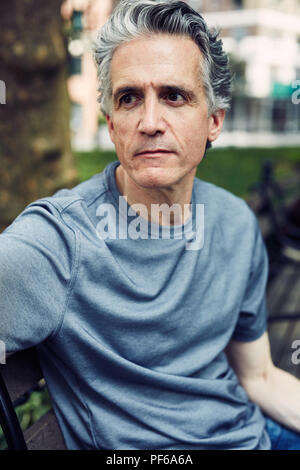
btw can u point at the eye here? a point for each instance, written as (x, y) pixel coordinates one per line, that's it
(175, 97)
(128, 99)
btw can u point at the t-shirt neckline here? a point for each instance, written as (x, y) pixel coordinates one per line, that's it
(147, 227)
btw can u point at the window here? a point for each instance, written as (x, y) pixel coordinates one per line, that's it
(238, 3)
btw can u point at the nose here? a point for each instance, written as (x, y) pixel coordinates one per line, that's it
(151, 121)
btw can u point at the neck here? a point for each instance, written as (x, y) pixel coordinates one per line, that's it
(155, 204)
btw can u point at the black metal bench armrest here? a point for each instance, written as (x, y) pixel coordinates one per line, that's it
(9, 421)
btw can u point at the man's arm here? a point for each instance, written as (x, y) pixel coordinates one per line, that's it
(275, 391)
(37, 253)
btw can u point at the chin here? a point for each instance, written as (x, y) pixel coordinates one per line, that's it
(154, 178)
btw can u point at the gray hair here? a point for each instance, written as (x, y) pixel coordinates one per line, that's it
(136, 18)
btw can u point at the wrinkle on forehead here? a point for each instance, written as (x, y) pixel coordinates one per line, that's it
(160, 57)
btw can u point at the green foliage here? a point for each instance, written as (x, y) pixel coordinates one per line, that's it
(32, 410)
(37, 405)
(90, 163)
(101, 120)
(236, 169)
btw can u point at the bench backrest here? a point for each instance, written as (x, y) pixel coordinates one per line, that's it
(21, 374)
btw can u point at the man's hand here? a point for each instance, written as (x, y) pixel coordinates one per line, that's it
(276, 392)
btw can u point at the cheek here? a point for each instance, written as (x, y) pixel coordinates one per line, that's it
(194, 125)
(195, 135)
(119, 133)
(124, 138)
(123, 128)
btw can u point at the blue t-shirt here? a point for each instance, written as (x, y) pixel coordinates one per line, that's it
(131, 331)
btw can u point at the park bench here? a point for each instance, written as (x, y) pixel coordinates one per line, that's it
(278, 210)
(22, 372)
(18, 377)
(277, 207)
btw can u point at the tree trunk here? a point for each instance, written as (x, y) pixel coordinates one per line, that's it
(35, 151)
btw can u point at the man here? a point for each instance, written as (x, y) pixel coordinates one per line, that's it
(134, 326)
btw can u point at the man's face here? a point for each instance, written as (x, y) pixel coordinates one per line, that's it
(159, 121)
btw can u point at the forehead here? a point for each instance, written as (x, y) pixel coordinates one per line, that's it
(156, 59)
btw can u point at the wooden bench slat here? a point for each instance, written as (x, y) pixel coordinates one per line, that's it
(277, 334)
(21, 373)
(45, 434)
(282, 290)
(283, 336)
(284, 298)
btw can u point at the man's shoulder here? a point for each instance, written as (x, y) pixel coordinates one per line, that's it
(223, 208)
(84, 193)
(59, 213)
(219, 198)
(87, 191)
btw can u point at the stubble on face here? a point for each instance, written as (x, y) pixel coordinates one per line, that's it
(148, 119)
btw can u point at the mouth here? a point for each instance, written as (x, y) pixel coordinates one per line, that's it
(153, 153)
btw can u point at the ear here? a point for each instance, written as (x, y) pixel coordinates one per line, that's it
(215, 124)
(110, 126)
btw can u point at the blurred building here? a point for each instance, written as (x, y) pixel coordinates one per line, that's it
(83, 19)
(262, 38)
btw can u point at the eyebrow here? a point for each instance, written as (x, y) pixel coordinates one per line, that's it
(163, 88)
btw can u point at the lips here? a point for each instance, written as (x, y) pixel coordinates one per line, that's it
(152, 153)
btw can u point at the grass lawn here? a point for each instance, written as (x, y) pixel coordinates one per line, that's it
(232, 168)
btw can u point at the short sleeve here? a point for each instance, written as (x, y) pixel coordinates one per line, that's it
(252, 321)
(36, 259)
